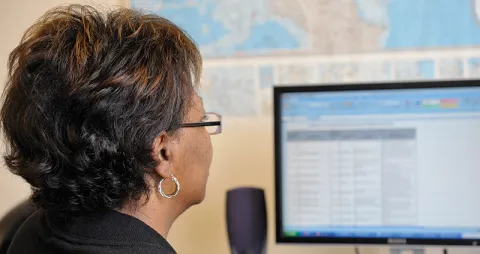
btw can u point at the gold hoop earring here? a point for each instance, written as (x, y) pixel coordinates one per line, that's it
(177, 187)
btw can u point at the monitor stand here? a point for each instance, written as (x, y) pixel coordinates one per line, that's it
(417, 250)
(402, 250)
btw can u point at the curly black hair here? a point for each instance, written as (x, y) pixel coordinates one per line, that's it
(86, 95)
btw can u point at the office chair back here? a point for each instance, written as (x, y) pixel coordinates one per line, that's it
(11, 222)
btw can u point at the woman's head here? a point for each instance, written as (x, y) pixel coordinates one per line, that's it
(97, 107)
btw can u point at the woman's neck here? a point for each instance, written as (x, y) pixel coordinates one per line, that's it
(158, 215)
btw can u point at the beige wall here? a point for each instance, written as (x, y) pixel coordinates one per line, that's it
(243, 157)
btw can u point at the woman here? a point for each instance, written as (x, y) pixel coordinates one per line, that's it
(103, 120)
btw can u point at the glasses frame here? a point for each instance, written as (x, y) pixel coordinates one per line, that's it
(206, 124)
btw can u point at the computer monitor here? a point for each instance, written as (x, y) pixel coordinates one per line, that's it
(386, 163)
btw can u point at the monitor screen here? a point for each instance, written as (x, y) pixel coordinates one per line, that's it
(378, 164)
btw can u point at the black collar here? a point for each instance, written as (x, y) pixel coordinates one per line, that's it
(111, 227)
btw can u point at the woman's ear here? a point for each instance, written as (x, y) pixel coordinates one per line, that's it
(162, 156)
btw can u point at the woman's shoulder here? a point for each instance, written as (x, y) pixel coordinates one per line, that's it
(111, 232)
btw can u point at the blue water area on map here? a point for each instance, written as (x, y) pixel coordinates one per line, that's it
(373, 11)
(267, 36)
(432, 23)
(197, 20)
(176, 2)
(193, 21)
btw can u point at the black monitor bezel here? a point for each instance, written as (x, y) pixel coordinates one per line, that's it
(300, 88)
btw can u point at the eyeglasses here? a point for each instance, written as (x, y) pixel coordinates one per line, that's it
(212, 123)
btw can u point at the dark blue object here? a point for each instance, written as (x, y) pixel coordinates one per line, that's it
(247, 220)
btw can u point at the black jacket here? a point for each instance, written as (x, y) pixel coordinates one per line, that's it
(109, 233)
